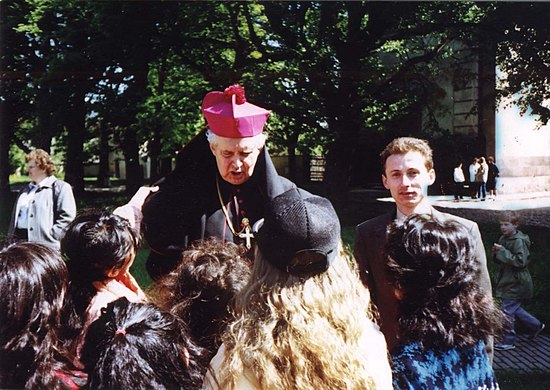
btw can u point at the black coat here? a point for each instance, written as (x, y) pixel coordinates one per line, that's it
(187, 207)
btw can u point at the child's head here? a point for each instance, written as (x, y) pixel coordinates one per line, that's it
(200, 290)
(137, 346)
(33, 282)
(98, 245)
(432, 266)
(509, 221)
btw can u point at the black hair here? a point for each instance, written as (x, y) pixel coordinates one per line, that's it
(432, 262)
(201, 289)
(95, 243)
(138, 346)
(33, 282)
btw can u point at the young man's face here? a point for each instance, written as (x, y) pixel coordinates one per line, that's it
(507, 228)
(236, 158)
(407, 178)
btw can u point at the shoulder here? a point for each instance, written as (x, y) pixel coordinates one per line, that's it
(375, 224)
(61, 184)
(468, 224)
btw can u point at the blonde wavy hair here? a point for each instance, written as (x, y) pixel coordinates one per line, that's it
(293, 333)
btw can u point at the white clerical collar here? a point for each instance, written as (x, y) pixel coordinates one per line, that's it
(423, 207)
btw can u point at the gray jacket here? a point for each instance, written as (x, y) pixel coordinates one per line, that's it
(45, 224)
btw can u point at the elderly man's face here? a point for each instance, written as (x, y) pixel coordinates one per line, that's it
(236, 158)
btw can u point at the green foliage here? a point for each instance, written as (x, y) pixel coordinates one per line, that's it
(340, 77)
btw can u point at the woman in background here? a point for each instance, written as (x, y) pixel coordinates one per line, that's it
(45, 206)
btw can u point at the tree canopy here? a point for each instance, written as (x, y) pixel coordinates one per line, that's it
(341, 78)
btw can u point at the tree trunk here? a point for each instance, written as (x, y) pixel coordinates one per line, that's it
(7, 123)
(76, 133)
(134, 172)
(104, 149)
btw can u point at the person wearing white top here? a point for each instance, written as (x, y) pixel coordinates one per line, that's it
(472, 170)
(45, 207)
(459, 179)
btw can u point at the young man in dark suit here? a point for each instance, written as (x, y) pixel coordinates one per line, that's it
(407, 171)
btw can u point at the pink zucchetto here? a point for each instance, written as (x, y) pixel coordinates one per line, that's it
(229, 114)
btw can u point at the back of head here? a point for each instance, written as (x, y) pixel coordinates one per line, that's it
(404, 145)
(137, 346)
(33, 280)
(300, 233)
(432, 264)
(201, 289)
(304, 305)
(95, 243)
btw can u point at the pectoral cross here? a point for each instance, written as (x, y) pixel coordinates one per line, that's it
(246, 233)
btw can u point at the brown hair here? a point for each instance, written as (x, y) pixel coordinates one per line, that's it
(404, 145)
(509, 216)
(42, 160)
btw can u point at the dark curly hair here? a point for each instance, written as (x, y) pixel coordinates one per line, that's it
(33, 282)
(200, 289)
(138, 346)
(95, 243)
(432, 263)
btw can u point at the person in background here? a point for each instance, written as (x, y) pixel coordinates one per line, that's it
(472, 170)
(493, 173)
(201, 290)
(138, 346)
(407, 171)
(45, 206)
(444, 315)
(303, 321)
(458, 177)
(33, 283)
(99, 248)
(481, 178)
(514, 284)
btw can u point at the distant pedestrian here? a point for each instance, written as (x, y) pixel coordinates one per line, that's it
(514, 284)
(481, 178)
(493, 173)
(472, 170)
(459, 179)
(44, 207)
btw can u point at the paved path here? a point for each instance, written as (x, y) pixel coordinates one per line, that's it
(534, 207)
(528, 356)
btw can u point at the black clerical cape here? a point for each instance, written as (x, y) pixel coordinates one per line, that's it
(187, 206)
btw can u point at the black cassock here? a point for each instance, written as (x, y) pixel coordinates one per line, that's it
(187, 205)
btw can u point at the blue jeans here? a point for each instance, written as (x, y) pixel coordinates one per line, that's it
(482, 190)
(514, 312)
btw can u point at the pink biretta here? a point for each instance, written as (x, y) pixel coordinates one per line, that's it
(229, 114)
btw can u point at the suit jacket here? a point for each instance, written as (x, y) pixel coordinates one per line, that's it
(370, 239)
